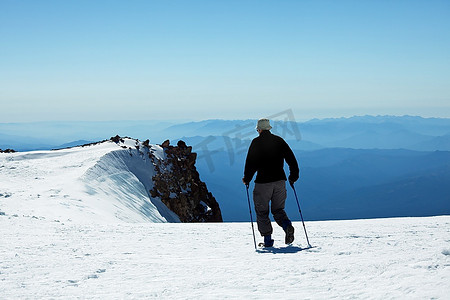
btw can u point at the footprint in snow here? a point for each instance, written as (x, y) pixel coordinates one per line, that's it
(95, 276)
(73, 282)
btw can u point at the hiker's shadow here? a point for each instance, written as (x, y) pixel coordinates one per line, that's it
(287, 249)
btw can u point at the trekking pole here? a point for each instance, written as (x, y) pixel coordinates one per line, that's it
(300, 211)
(251, 218)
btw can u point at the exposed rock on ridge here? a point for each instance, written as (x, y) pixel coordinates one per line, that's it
(176, 181)
(178, 185)
(7, 151)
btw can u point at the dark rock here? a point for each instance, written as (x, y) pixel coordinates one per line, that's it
(117, 139)
(166, 144)
(7, 151)
(178, 185)
(181, 144)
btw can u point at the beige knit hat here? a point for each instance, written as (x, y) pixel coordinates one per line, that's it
(263, 124)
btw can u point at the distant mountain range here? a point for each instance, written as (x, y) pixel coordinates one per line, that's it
(359, 167)
(362, 132)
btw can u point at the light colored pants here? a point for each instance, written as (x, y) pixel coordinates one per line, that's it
(273, 193)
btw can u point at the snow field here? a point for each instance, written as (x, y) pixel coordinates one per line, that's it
(364, 259)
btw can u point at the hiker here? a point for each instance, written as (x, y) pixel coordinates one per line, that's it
(266, 156)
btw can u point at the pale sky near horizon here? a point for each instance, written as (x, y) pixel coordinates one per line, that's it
(193, 60)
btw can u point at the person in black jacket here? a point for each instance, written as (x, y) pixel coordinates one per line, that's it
(266, 156)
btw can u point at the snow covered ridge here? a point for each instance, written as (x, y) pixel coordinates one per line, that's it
(116, 180)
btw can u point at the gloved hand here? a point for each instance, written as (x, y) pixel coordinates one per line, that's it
(292, 179)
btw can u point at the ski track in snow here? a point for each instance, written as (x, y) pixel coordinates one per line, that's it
(364, 259)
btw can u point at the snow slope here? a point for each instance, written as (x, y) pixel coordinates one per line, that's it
(404, 258)
(104, 182)
(79, 223)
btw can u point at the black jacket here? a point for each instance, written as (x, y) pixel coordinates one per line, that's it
(266, 156)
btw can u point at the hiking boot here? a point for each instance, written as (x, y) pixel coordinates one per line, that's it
(289, 230)
(268, 241)
(289, 238)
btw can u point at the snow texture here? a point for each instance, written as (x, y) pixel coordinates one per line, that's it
(79, 223)
(363, 259)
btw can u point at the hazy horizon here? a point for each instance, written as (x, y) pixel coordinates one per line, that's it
(183, 121)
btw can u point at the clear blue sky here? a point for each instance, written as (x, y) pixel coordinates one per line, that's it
(107, 60)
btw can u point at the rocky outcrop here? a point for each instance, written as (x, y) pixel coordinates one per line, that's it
(117, 139)
(177, 183)
(7, 151)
